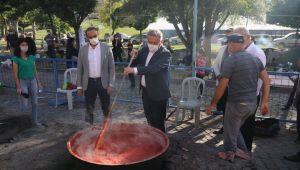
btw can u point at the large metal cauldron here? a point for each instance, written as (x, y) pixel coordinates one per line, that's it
(126, 147)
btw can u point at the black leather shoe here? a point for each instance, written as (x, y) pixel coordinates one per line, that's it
(297, 141)
(89, 118)
(293, 158)
(219, 131)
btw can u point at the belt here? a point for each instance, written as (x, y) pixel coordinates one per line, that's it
(95, 78)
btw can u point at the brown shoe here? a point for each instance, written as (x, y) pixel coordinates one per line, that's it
(242, 154)
(228, 156)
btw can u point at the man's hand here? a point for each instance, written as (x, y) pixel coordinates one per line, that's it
(264, 108)
(128, 70)
(40, 85)
(109, 90)
(209, 108)
(79, 92)
(133, 53)
(19, 91)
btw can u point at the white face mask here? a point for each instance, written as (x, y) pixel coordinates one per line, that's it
(153, 48)
(94, 41)
(24, 49)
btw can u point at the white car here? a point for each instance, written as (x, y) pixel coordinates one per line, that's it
(264, 41)
(288, 40)
(124, 37)
(136, 39)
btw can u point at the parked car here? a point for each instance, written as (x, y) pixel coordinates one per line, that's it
(136, 39)
(287, 41)
(124, 37)
(265, 42)
(175, 40)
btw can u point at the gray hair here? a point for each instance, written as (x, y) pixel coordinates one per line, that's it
(242, 30)
(155, 33)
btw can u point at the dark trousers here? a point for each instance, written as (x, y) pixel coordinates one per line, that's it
(132, 79)
(155, 111)
(248, 127)
(118, 55)
(51, 51)
(95, 88)
(292, 94)
(298, 117)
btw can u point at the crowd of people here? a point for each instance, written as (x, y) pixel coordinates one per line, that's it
(242, 81)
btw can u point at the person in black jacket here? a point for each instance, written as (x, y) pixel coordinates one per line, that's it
(71, 52)
(117, 47)
(12, 38)
(31, 45)
(152, 63)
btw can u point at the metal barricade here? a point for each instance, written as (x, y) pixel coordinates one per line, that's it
(51, 75)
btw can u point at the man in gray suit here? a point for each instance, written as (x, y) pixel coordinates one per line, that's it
(96, 73)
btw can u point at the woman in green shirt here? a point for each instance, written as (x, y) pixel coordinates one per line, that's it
(26, 77)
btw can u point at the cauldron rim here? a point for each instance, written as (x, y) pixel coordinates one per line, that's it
(163, 135)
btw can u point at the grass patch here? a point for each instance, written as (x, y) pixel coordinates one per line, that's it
(178, 47)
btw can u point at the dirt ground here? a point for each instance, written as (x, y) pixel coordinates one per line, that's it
(44, 148)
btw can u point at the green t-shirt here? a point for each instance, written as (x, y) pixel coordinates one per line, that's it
(25, 67)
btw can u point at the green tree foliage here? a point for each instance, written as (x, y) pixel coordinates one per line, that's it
(286, 14)
(56, 13)
(74, 12)
(138, 19)
(108, 8)
(210, 12)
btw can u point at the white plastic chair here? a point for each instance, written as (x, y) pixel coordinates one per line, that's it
(191, 92)
(70, 76)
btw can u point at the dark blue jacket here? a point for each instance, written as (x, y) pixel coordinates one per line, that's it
(156, 73)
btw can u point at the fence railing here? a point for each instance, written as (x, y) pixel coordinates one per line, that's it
(51, 75)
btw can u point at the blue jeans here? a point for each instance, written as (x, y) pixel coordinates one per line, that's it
(30, 87)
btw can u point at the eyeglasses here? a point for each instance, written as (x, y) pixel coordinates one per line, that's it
(95, 36)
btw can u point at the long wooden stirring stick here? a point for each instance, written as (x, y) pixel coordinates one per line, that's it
(101, 135)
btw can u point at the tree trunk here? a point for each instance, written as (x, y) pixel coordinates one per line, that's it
(2, 31)
(59, 34)
(207, 41)
(34, 30)
(113, 31)
(53, 28)
(15, 25)
(76, 29)
(5, 24)
(297, 37)
(141, 36)
(207, 49)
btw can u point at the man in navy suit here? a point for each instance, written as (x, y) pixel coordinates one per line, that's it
(152, 63)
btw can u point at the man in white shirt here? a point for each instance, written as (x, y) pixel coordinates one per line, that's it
(152, 63)
(96, 73)
(247, 129)
(221, 56)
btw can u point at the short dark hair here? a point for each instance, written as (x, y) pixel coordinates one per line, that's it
(90, 29)
(17, 52)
